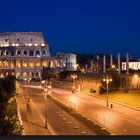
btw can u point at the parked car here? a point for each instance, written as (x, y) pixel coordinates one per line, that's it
(92, 91)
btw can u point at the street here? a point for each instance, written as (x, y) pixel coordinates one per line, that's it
(35, 113)
(32, 117)
(121, 120)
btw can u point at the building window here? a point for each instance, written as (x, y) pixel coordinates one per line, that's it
(18, 39)
(37, 52)
(44, 52)
(31, 39)
(6, 40)
(18, 64)
(31, 53)
(1, 52)
(31, 64)
(37, 64)
(18, 52)
(25, 64)
(44, 63)
(13, 52)
(25, 52)
(6, 52)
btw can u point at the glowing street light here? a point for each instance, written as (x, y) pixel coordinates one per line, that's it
(74, 78)
(135, 76)
(113, 66)
(107, 80)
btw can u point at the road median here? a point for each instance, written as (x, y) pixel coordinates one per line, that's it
(98, 129)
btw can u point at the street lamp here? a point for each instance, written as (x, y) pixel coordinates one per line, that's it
(28, 80)
(107, 80)
(74, 78)
(28, 90)
(113, 67)
(46, 101)
(135, 76)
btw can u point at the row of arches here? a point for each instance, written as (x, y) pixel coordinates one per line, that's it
(28, 75)
(31, 52)
(28, 63)
(21, 75)
(24, 64)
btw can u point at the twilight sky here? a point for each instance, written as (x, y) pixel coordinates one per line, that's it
(78, 26)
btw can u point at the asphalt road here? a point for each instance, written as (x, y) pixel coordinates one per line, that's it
(39, 108)
(121, 120)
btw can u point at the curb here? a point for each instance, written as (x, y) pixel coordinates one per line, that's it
(19, 117)
(51, 130)
(113, 101)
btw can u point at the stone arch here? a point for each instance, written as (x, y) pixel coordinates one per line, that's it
(43, 52)
(18, 64)
(25, 52)
(12, 64)
(18, 52)
(31, 52)
(37, 52)
(5, 64)
(31, 64)
(25, 64)
(13, 73)
(30, 75)
(13, 52)
(6, 74)
(58, 64)
(6, 52)
(2, 52)
(37, 63)
(18, 75)
(44, 63)
(0, 64)
(25, 75)
(51, 64)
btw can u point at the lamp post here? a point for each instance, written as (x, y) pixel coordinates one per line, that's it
(28, 90)
(46, 101)
(107, 80)
(74, 78)
(28, 98)
(74, 83)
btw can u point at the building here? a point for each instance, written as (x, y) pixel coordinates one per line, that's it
(23, 54)
(66, 61)
(134, 65)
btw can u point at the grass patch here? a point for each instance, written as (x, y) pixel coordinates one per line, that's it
(132, 99)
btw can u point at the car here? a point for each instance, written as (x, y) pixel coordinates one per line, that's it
(92, 91)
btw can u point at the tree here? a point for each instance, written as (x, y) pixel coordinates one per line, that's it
(8, 85)
(115, 83)
(49, 73)
(8, 112)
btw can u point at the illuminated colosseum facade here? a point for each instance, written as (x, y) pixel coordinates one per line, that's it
(23, 54)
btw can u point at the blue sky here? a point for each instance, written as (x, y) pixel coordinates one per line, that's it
(78, 26)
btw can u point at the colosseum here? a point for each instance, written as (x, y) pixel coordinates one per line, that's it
(23, 54)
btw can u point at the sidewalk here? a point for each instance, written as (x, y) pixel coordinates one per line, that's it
(94, 95)
(32, 123)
